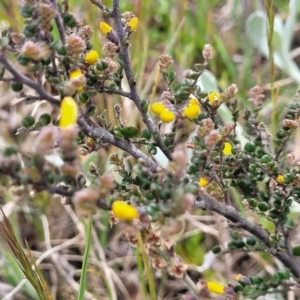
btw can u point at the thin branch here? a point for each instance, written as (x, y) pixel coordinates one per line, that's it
(125, 55)
(98, 3)
(205, 202)
(93, 130)
(25, 80)
(59, 23)
(103, 89)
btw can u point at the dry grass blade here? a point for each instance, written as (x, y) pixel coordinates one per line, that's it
(27, 264)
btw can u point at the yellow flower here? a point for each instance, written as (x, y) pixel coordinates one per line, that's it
(68, 112)
(133, 24)
(158, 108)
(215, 287)
(213, 97)
(91, 57)
(75, 74)
(227, 150)
(192, 111)
(105, 28)
(193, 101)
(280, 179)
(203, 182)
(167, 116)
(124, 211)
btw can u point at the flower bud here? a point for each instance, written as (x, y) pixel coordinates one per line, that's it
(105, 28)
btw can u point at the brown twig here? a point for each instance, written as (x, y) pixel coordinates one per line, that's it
(94, 131)
(204, 201)
(125, 55)
(18, 76)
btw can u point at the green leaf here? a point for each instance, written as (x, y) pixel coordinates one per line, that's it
(92, 109)
(145, 106)
(129, 132)
(85, 260)
(45, 119)
(146, 134)
(172, 76)
(28, 121)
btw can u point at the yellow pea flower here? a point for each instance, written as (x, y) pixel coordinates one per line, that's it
(213, 97)
(91, 57)
(75, 73)
(105, 28)
(215, 287)
(133, 24)
(203, 182)
(68, 112)
(124, 211)
(227, 150)
(157, 108)
(280, 179)
(192, 111)
(167, 116)
(193, 101)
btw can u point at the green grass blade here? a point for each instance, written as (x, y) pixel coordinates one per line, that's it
(85, 260)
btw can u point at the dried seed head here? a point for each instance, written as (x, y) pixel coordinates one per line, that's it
(207, 125)
(290, 158)
(231, 91)
(47, 14)
(291, 124)
(45, 139)
(110, 49)
(69, 169)
(85, 201)
(127, 16)
(256, 96)
(32, 50)
(207, 52)
(212, 139)
(227, 129)
(165, 61)
(166, 96)
(75, 46)
(86, 33)
(178, 268)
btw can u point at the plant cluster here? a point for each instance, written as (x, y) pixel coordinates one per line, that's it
(150, 202)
